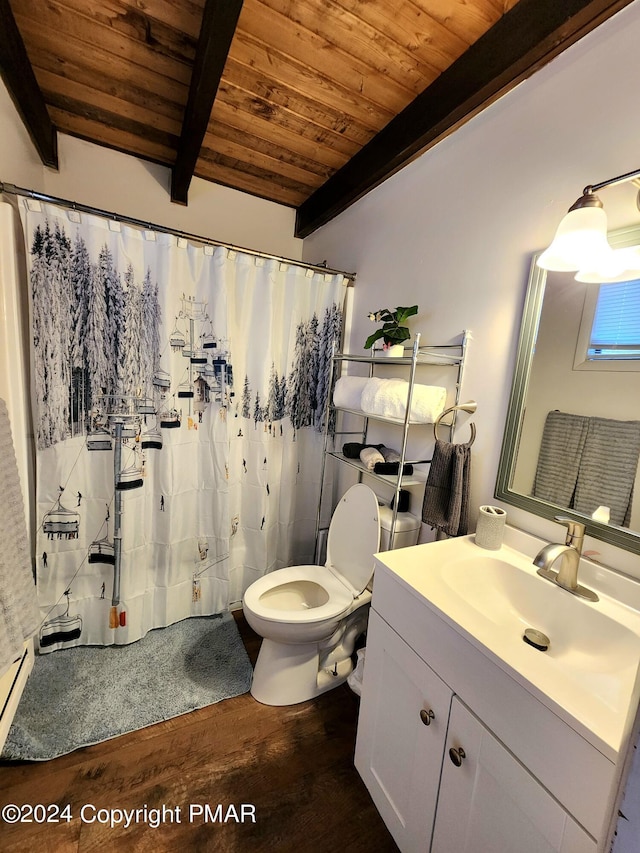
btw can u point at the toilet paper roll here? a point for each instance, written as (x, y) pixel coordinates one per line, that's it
(490, 527)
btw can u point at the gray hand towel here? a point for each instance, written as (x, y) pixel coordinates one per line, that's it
(585, 462)
(559, 457)
(608, 468)
(446, 495)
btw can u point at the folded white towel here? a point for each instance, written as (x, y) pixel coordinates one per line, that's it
(387, 398)
(369, 456)
(348, 391)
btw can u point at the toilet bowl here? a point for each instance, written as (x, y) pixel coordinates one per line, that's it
(311, 616)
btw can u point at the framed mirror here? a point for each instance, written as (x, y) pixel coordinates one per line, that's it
(557, 381)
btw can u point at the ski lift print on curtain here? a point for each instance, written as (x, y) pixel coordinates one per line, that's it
(146, 446)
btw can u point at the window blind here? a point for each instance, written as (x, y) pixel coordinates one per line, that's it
(615, 333)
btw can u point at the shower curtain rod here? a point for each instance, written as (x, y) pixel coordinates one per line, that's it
(128, 220)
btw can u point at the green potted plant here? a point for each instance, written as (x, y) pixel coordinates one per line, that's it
(393, 332)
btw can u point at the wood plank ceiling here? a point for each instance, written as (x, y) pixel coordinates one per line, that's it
(317, 100)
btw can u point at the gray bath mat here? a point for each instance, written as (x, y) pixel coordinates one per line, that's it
(84, 695)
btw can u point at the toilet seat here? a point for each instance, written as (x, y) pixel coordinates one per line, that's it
(354, 537)
(339, 597)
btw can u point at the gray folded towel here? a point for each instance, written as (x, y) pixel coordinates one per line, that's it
(389, 454)
(446, 495)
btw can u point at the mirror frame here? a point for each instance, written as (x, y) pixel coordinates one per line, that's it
(618, 536)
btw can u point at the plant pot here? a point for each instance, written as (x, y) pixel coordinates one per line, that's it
(394, 351)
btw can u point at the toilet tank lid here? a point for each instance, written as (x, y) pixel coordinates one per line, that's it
(404, 520)
(354, 537)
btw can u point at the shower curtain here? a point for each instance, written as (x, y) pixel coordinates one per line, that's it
(178, 391)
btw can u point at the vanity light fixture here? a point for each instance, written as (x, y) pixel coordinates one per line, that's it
(623, 265)
(581, 245)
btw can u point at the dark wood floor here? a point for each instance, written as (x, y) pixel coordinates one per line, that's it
(294, 764)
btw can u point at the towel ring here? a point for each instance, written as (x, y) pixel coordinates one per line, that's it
(470, 407)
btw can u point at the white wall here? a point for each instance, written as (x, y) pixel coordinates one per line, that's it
(455, 230)
(121, 184)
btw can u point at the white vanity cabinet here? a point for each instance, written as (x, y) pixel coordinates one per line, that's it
(489, 802)
(528, 782)
(401, 735)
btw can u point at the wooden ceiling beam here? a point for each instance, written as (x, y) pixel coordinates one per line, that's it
(527, 37)
(219, 21)
(22, 85)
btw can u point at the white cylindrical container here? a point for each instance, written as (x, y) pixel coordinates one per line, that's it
(407, 529)
(490, 527)
(602, 514)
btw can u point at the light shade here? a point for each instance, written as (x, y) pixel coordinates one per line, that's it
(580, 242)
(623, 265)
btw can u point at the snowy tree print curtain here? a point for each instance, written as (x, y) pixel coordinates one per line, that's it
(178, 392)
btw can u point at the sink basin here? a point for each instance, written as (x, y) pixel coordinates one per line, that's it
(513, 598)
(589, 673)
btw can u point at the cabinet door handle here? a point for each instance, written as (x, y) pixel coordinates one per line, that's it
(427, 716)
(456, 755)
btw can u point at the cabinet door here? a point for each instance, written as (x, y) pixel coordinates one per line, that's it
(401, 733)
(489, 802)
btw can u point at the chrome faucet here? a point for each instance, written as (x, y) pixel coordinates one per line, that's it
(569, 554)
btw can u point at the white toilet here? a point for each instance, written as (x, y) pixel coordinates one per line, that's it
(311, 616)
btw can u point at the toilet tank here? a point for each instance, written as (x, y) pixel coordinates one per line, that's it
(407, 529)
